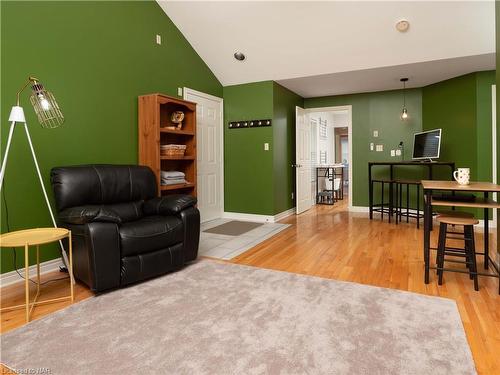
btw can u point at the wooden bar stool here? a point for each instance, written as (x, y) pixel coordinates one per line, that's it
(384, 207)
(468, 252)
(454, 213)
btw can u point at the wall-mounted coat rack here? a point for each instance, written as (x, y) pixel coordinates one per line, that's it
(249, 124)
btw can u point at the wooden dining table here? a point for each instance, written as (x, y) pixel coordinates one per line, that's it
(485, 202)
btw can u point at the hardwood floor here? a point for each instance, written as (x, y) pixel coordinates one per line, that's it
(330, 242)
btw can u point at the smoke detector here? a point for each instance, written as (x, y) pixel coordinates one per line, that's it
(402, 25)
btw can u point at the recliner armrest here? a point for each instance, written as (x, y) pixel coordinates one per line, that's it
(88, 214)
(169, 204)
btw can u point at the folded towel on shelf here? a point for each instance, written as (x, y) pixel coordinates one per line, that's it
(173, 181)
(172, 175)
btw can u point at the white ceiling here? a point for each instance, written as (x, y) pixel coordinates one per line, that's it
(296, 39)
(388, 78)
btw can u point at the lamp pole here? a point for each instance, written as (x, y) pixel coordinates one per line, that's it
(17, 117)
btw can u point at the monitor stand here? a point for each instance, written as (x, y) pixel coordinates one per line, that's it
(425, 161)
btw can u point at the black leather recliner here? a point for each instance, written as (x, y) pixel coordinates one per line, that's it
(122, 231)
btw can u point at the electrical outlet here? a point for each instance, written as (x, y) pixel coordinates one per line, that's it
(398, 152)
(179, 91)
(266, 146)
(393, 152)
(379, 148)
(372, 146)
(375, 133)
(158, 39)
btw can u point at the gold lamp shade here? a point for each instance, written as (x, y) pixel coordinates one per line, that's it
(46, 107)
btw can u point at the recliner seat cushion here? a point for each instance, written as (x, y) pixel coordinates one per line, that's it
(149, 234)
(128, 211)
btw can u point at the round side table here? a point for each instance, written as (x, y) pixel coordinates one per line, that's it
(37, 237)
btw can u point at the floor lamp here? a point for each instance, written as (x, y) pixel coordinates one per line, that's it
(49, 116)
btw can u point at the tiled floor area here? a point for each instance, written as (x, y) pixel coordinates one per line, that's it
(227, 247)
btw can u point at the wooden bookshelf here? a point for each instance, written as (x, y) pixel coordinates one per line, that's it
(155, 111)
(176, 187)
(179, 132)
(191, 157)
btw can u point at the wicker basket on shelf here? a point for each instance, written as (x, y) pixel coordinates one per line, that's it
(172, 150)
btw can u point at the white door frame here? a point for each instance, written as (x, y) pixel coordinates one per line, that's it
(300, 204)
(347, 108)
(186, 91)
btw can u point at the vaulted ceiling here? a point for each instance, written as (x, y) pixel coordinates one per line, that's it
(317, 48)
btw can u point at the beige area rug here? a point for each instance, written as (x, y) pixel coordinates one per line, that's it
(233, 228)
(213, 318)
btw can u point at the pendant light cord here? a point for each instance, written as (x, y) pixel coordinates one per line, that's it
(404, 94)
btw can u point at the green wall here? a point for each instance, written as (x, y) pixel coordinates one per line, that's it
(461, 106)
(248, 169)
(451, 106)
(96, 58)
(376, 111)
(284, 102)
(258, 181)
(484, 81)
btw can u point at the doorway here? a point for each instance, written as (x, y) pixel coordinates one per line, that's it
(323, 138)
(341, 138)
(210, 158)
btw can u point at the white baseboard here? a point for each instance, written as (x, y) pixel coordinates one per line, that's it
(284, 214)
(12, 277)
(248, 217)
(258, 218)
(491, 224)
(359, 209)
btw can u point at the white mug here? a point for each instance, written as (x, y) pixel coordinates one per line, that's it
(462, 176)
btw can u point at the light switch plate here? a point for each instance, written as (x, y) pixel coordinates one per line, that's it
(372, 146)
(158, 39)
(398, 152)
(379, 148)
(266, 146)
(393, 152)
(375, 133)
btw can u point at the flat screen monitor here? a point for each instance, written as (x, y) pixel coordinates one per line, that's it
(426, 145)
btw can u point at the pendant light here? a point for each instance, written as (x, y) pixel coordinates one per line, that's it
(404, 112)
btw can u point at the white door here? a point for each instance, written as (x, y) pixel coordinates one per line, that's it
(209, 147)
(302, 160)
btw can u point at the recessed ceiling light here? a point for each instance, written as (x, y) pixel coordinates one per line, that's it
(402, 26)
(240, 56)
